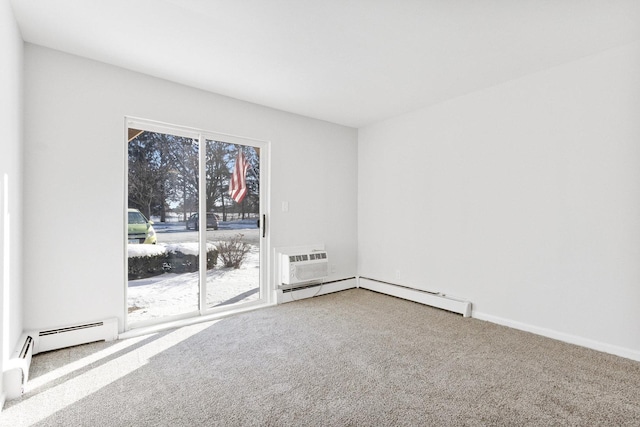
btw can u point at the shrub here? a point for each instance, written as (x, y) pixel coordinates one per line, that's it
(232, 252)
(212, 257)
(146, 266)
(182, 263)
(172, 260)
(185, 263)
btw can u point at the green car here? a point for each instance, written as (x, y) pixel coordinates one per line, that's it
(140, 229)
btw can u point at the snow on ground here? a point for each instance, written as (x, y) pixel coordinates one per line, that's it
(171, 294)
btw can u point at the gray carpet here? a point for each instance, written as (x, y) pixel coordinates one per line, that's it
(344, 359)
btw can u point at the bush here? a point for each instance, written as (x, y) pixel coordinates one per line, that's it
(186, 263)
(146, 266)
(182, 263)
(141, 267)
(233, 252)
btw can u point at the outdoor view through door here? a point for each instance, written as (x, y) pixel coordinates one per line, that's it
(190, 193)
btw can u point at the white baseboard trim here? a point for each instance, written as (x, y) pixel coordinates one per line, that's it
(434, 300)
(561, 336)
(326, 288)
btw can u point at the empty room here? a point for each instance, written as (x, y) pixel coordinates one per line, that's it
(409, 212)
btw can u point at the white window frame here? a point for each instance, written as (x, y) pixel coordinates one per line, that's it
(267, 297)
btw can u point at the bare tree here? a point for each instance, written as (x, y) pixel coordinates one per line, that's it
(144, 172)
(163, 171)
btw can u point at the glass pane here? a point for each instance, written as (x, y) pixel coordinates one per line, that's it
(236, 235)
(162, 244)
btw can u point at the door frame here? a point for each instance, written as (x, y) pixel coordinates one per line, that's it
(203, 314)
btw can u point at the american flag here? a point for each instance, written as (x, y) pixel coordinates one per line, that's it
(238, 186)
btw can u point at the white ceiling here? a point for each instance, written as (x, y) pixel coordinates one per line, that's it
(351, 62)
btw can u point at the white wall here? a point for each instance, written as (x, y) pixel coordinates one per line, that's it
(74, 178)
(11, 47)
(522, 198)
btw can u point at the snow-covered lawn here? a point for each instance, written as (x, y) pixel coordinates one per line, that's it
(171, 294)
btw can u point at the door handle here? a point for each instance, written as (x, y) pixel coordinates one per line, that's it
(264, 225)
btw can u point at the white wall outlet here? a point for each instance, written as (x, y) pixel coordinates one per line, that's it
(285, 206)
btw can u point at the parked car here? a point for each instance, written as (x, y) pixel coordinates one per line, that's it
(212, 221)
(140, 229)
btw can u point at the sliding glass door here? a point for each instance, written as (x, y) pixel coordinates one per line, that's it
(233, 191)
(192, 193)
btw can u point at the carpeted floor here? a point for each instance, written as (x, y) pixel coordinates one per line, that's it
(353, 358)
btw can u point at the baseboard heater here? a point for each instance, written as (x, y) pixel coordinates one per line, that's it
(432, 299)
(68, 336)
(288, 293)
(291, 288)
(16, 372)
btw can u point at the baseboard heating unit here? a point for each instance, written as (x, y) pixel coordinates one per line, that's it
(437, 300)
(16, 372)
(288, 293)
(53, 339)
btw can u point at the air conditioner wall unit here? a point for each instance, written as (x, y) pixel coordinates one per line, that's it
(304, 267)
